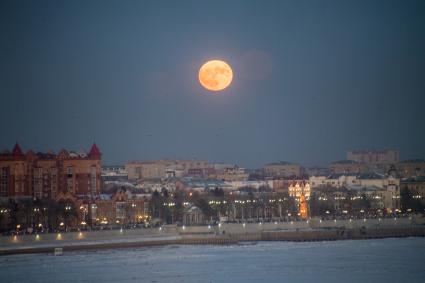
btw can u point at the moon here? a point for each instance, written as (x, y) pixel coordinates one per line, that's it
(215, 75)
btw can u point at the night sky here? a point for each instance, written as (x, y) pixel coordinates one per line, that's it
(312, 79)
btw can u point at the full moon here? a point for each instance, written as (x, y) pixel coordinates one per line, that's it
(215, 75)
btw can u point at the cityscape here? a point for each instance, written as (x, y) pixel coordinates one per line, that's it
(73, 191)
(220, 141)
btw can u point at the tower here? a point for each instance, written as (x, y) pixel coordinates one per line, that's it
(302, 208)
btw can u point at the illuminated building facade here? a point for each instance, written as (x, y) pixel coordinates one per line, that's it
(297, 189)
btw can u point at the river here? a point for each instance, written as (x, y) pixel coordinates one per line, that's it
(383, 260)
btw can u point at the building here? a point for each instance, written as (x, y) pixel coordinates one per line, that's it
(234, 173)
(379, 197)
(381, 181)
(299, 189)
(332, 180)
(356, 199)
(201, 172)
(341, 180)
(388, 156)
(159, 169)
(410, 168)
(146, 170)
(123, 207)
(201, 185)
(282, 169)
(47, 175)
(416, 185)
(383, 190)
(250, 184)
(193, 215)
(317, 171)
(348, 167)
(114, 173)
(281, 185)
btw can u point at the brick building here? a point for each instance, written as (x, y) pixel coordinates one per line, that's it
(120, 208)
(46, 175)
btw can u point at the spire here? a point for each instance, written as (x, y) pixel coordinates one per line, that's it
(17, 151)
(94, 152)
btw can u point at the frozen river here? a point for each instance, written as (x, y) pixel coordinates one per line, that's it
(385, 260)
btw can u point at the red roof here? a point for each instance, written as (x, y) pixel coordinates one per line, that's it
(94, 152)
(17, 151)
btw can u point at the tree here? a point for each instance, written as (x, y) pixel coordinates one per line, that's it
(362, 203)
(13, 213)
(155, 204)
(67, 211)
(218, 192)
(205, 207)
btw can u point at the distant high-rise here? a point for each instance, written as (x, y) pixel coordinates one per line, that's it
(388, 156)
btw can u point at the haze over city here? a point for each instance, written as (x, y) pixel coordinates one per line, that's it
(312, 80)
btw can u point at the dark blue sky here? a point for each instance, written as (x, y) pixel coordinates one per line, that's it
(312, 79)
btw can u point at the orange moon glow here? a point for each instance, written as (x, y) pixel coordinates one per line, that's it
(215, 75)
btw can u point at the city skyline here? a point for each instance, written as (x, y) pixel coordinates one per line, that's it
(311, 80)
(212, 141)
(347, 156)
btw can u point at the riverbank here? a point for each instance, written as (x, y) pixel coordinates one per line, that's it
(294, 236)
(223, 234)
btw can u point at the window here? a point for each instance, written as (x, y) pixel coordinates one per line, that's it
(93, 180)
(70, 185)
(69, 172)
(93, 211)
(38, 172)
(3, 188)
(3, 173)
(120, 211)
(38, 182)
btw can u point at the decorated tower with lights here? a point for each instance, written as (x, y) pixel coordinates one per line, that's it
(303, 208)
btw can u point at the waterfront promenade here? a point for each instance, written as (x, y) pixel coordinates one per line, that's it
(224, 233)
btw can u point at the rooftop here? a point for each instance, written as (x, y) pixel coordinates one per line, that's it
(372, 176)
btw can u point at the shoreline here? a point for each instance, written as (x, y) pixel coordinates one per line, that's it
(314, 235)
